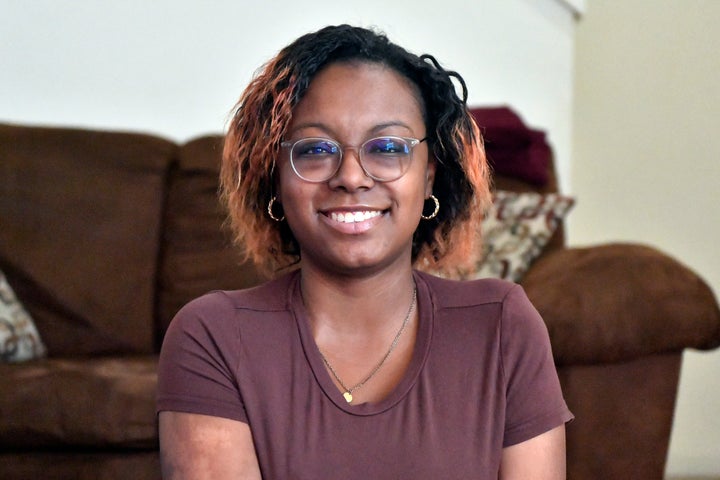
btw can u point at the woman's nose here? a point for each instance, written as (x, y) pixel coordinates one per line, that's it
(351, 175)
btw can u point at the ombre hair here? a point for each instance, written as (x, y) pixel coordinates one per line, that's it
(448, 244)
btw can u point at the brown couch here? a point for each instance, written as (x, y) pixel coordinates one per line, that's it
(104, 235)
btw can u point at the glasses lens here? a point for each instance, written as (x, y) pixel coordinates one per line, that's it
(315, 159)
(386, 158)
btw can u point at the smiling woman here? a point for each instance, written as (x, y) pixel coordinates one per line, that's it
(353, 163)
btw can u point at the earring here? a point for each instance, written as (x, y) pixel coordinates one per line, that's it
(435, 212)
(270, 212)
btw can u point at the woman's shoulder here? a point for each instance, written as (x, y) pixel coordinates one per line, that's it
(450, 293)
(270, 296)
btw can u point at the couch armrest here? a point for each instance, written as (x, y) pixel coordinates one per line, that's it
(618, 302)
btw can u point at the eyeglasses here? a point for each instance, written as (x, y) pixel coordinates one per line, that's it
(382, 158)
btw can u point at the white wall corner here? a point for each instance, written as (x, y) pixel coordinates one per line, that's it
(577, 7)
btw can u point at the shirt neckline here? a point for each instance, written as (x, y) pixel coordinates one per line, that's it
(322, 376)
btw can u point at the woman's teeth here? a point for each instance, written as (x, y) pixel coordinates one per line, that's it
(352, 217)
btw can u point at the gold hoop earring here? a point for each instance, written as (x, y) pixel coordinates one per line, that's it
(435, 212)
(270, 212)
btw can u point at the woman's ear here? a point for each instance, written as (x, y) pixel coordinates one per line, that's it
(430, 176)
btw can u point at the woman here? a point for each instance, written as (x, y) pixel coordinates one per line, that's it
(355, 161)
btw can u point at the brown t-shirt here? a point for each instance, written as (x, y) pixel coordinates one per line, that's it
(481, 378)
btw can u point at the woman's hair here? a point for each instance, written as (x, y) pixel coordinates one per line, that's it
(448, 243)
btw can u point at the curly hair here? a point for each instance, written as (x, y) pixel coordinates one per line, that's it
(447, 244)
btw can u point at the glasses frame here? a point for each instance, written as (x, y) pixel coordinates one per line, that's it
(414, 142)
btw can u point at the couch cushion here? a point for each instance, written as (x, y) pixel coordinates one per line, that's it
(19, 339)
(80, 214)
(108, 402)
(198, 255)
(81, 465)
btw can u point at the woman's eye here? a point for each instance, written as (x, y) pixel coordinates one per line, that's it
(388, 146)
(316, 148)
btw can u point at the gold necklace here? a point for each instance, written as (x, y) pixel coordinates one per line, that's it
(348, 391)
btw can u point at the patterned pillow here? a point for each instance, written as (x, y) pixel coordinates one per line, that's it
(19, 339)
(515, 231)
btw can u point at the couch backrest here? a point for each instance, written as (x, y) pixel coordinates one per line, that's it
(80, 216)
(197, 254)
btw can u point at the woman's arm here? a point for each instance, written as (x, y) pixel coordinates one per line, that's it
(540, 458)
(198, 447)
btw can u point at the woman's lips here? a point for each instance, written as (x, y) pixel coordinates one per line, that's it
(353, 217)
(353, 221)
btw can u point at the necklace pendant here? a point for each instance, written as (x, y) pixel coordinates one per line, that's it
(348, 397)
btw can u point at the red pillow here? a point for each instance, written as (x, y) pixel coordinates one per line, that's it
(512, 148)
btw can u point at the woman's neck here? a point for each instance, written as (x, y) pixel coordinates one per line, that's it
(356, 304)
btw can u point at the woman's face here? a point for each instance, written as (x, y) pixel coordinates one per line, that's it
(351, 223)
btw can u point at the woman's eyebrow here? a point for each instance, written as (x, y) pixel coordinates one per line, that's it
(303, 126)
(393, 123)
(330, 132)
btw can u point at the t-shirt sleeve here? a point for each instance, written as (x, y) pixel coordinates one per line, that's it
(198, 361)
(534, 400)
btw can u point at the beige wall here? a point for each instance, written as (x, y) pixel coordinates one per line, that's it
(646, 165)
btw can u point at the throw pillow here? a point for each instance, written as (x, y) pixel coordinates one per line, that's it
(513, 149)
(515, 231)
(19, 339)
